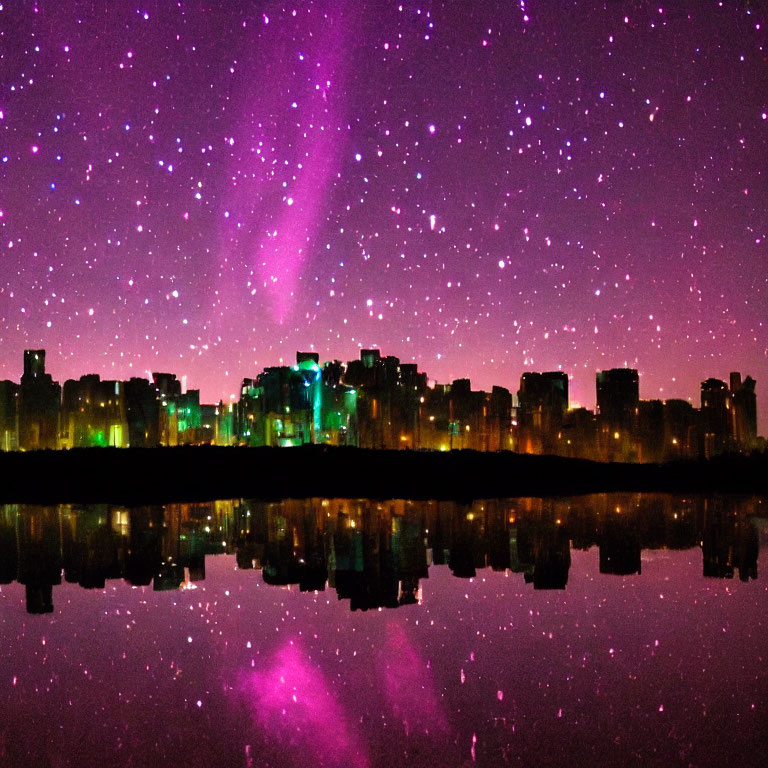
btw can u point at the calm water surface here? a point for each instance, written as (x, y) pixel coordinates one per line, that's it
(603, 630)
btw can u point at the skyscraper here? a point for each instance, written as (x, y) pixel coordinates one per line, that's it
(715, 417)
(543, 401)
(39, 404)
(618, 398)
(743, 412)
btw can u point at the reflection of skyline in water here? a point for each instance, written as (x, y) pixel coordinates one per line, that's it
(664, 668)
(372, 553)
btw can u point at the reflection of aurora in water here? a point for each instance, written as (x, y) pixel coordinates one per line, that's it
(408, 684)
(293, 704)
(658, 668)
(373, 554)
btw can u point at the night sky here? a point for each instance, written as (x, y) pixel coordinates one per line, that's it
(484, 188)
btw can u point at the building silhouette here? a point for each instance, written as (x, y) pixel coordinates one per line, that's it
(743, 412)
(9, 428)
(378, 402)
(681, 430)
(650, 431)
(579, 435)
(618, 398)
(388, 400)
(142, 409)
(715, 417)
(542, 405)
(93, 414)
(39, 404)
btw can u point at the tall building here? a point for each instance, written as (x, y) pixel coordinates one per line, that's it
(168, 389)
(499, 426)
(715, 417)
(542, 404)
(167, 384)
(224, 424)
(743, 412)
(618, 395)
(618, 398)
(189, 419)
(579, 435)
(650, 431)
(388, 400)
(93, 413)
(456, 417)
(338, 414)
(143, 413)
(681, 430)
(39, 403)
(9, 395)
(278, 407)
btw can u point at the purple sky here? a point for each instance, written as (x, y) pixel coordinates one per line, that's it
(484, 188)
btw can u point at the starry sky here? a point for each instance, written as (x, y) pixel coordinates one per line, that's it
(484, 188)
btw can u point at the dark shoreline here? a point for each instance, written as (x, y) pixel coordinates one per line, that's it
(204, 473)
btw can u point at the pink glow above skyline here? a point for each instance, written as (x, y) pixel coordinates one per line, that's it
(482, 192)
(312, 134)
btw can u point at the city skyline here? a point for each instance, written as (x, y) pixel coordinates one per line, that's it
(511, 188)
(292, 362)
(379, 402)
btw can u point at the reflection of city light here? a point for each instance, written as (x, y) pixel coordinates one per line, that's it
(470, 515)
(616, 435)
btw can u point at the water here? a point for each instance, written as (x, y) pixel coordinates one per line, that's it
(606, 630)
